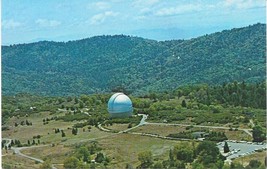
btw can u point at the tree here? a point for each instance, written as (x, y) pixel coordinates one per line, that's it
(146, 159)
(6, 148)
(71, 162)
(99, 158)
(196, 165)
(81, 105)
(207, 152)
(183, 103)
(74, 131)
(254, 164)
(183, 152)
(258, 134)
(12, 143)
(84, 154)
(63, 134)
(27, 123)
(226, 147)
(76, 100)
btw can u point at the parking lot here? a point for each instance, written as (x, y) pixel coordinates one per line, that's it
(239, 149)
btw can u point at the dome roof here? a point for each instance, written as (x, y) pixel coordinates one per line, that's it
(119, 103)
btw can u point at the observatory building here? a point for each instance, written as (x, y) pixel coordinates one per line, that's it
(120, 105)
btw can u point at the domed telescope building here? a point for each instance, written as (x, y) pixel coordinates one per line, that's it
(120, 105)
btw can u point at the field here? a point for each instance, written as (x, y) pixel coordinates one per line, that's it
(125, 148)
(256, 156)
(12, 161)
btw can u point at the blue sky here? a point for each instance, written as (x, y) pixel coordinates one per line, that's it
(25, 21)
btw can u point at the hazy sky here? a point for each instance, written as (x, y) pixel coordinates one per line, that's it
(26, 21)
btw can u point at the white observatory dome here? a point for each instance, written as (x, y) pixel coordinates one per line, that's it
(120, 105)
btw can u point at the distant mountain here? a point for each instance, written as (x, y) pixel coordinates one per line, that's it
(104, 63)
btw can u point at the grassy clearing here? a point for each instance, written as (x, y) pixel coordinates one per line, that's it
(15, 161)
(56, 154)
(118, 127)
(124, 148)
(24, 133)
(260, 156)
(47, 132)
(159, 129)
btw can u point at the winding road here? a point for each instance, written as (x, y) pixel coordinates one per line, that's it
(17, 150)
(142, 122)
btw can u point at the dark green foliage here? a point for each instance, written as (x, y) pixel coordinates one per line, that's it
(253, 164)
(146, 159)
(182, 134)
(74, 131)
(208, 154)
(57, 131)
(63, 133)
(99, 158)
(236, 94)
(226, 147)
(183, 103)
(71, 162)
(12, 143)
(83, 154)
(211, 136)
(106, 63)
(258, 134)
(183, 153)
(3, 144)
(130, 125)
(236, 166)
(216, 136)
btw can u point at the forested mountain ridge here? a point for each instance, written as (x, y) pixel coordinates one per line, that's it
(102, 63)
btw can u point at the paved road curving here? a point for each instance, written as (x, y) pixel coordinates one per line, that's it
(17, 150)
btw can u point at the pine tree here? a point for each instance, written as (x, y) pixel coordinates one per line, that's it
(183, 103)
(63, 134)
(226, 147)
